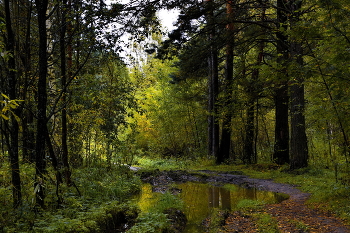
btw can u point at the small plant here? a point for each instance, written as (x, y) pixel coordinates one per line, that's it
(300, 225)
(150, 222)
(217, 220)
(265, 223)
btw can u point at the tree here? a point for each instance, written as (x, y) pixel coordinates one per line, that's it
(64, 73)
(298, 141)
(254, 86)
(14, 129)
(281, 96)
(40, 161)
(225, 143)
(213, 85)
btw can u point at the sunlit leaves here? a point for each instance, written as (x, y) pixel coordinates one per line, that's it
(7, 106)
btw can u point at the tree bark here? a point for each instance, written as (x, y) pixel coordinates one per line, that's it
(12, 81)
(64, 73)
(225, 143)
(281, 98)
(28, 136)
(40, 162)
(250, 153)
(213, 87)
(298, 142)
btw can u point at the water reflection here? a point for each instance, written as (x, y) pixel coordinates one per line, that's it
(200, 199)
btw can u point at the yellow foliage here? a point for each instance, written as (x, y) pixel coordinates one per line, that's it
(7, 106)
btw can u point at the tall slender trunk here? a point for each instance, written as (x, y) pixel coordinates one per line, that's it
(12, 81)
(298, 141)
(28, 136)
(225, 143)
(64, 74)
(213, 86)
(250, 153)
(281, 98)
(42, 104)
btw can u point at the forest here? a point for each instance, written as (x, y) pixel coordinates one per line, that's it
(98, 96)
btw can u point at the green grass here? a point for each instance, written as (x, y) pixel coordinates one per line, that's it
(265, 223)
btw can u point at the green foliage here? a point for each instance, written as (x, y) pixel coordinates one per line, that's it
(172, 120)
(150, 222)
(154, 207)
(149, 162)
(103, 201)
(107, 184)
(103, 105)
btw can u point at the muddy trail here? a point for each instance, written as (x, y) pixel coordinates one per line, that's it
(291, 215)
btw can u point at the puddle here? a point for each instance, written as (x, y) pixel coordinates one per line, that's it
(200, 199)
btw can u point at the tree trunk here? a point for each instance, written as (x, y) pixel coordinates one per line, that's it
(28, 136)
(42, 104)
(225, 143)
(213, 87)
(250, 153)
(67, 172)
(12, 80)
(298, 142)
(281, 148)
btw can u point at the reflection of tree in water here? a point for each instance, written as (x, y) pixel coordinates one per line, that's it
(199, 200)
(195, 198)
(219, 197)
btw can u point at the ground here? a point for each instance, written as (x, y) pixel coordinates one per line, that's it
(291, 215)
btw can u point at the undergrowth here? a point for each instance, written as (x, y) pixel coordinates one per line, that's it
(154, 218)
(99, 199)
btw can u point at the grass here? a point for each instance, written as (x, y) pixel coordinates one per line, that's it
(265, 223)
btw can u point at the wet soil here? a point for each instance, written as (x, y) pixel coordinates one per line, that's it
(292, 215)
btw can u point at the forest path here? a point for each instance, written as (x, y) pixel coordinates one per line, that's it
(292, 215)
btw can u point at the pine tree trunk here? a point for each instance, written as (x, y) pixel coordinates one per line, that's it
(250, 153)
(281, 98)
(298, 142)
(225, 143)
(213, 87)
(281, 148)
